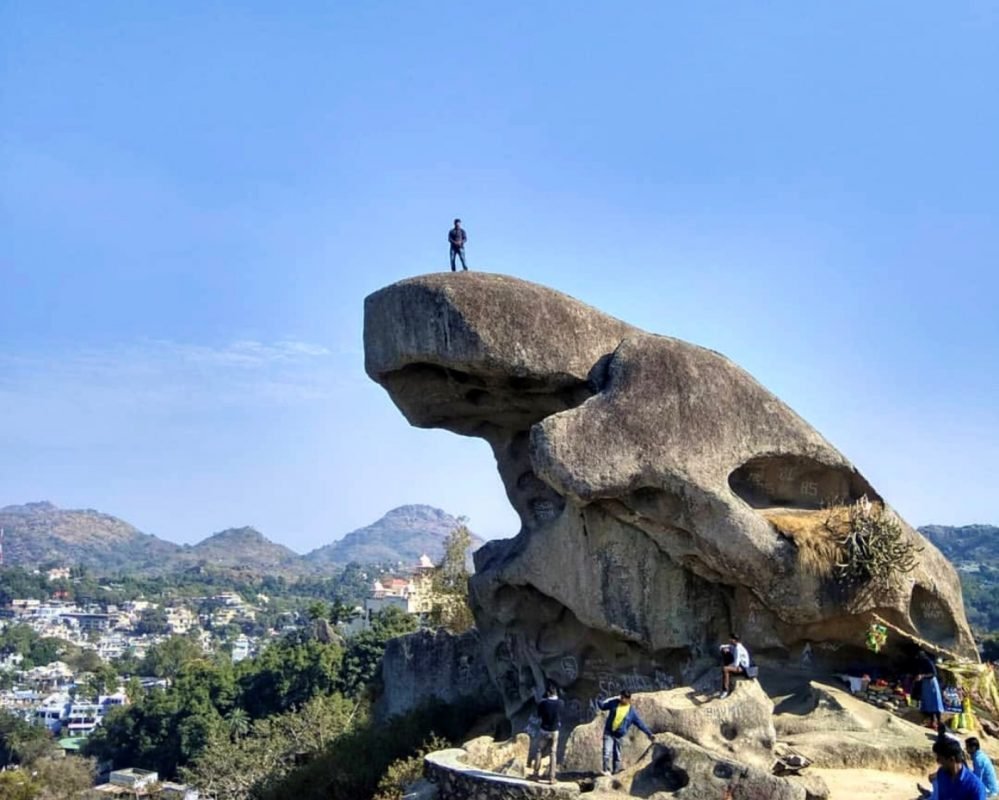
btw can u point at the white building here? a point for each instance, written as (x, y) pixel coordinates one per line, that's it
(52, 711)
(240, 649)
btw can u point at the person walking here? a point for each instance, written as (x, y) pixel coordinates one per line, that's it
(546, 741)
(457, 238)
(735, 661)
(621, 717)
(982, 766)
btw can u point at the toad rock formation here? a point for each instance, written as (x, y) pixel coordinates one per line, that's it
(646, 472)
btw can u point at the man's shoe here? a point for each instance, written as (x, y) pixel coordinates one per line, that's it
(605, 772)
(723, 695)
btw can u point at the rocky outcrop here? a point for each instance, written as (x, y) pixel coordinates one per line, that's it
(838, 731)
(643, 469)
(435, 667)
(701, 750)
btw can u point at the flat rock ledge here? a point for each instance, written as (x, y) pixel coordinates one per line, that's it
(456, 779)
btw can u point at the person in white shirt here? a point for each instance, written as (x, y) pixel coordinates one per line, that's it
(735, 661)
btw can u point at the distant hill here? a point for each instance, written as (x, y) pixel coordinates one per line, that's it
(403, 534)
(243, 548)
(40, 533)
(967, 544)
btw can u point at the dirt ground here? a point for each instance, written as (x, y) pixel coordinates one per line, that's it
(870, 784)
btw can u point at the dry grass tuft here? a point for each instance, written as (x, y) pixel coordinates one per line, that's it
(818, 535)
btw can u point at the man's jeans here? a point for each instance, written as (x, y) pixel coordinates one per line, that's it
(460, 252)
(612, 745)
(547, 743)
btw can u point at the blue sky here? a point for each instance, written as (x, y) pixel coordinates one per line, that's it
(196, 197)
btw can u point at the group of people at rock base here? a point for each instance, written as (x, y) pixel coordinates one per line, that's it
(621, 716)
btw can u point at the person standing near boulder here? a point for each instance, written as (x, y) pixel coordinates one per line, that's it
(930, 699)
(457, 238)
(621, 717)
(735, 661)
(546, 741)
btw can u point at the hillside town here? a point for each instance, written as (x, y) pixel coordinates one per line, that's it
(71, 697)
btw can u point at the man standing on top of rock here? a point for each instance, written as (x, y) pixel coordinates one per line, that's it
(735, 661)
(622, 716)
(457, 238)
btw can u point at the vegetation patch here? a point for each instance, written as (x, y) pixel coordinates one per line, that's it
(860, 544)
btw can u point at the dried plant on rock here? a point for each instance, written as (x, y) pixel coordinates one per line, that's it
(877, 550)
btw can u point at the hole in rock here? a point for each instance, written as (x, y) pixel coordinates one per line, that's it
(729, 731)
(662, 775)
(797, 482)
(723, 771)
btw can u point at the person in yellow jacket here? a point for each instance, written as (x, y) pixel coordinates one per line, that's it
(620, 719)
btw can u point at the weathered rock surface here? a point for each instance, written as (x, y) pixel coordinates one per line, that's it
(701, 750)
(435, 666)
(838, 731)
(740, 727)
(641, 467)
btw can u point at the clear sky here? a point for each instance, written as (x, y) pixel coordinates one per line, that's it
(195, 197)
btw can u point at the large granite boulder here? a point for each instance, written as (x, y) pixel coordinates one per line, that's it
(435, 667)
(739, 728)
(647, 473)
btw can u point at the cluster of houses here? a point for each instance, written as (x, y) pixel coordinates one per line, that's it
(49, 694)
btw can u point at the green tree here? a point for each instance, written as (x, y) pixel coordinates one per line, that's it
(317, 610)
(18, 785)
(61, 777)
(166, 659)
(451, 608)
(238, 722)
(342, 613)
(239, 769)
(362, 658)
(153, 621)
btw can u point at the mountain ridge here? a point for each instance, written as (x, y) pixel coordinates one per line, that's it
(41, 533)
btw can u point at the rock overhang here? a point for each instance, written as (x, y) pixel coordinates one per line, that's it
(636, 459)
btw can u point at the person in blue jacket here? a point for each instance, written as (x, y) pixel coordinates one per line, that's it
(982, 766)
(931, 701)
(954, 781)
(621, 717)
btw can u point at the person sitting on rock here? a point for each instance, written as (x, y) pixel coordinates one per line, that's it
(982, 766)
(546, 740)
(621, 717)
(954, 781)
(735, 661)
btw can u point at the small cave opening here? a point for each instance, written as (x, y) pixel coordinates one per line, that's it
(662, 775)
(790, 481)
